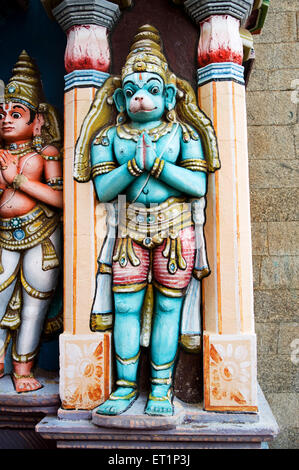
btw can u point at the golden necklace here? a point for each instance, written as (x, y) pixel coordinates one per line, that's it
(20, 149)
(125, 131)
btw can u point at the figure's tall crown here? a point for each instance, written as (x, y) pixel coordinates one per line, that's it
(146, 54)
(25, 85)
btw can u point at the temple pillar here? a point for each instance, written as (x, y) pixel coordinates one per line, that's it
(230, 382)
(85, 357)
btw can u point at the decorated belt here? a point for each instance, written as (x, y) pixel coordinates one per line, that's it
(28, 230)
(151, 226)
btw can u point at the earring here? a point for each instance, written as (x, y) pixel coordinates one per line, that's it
(37, 142)
(121, 118)
(171, 116)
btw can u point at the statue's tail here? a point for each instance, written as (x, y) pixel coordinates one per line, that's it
(191, 323)
(101, 317)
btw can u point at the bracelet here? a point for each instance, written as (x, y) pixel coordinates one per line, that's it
(102, 168)
(195, 164)
(18, 180)
(134, 168)
(157, 167)
(55, 183)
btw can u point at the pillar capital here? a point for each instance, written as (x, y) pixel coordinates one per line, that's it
(86, 12)
(220, 41)
(199, 10)
(87, 54)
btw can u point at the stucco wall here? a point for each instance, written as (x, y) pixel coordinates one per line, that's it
(274, 177)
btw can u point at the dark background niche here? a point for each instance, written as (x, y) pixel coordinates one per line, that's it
(43, 39)
(179, 36)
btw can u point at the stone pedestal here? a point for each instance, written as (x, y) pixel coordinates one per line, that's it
(20, 412)
(43, 401)
(190, 428)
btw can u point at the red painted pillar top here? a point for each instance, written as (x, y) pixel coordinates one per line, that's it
(220, 40)
(87, 48)
(219, 23)
(87, 25)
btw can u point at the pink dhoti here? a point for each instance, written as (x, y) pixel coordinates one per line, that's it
(167, 262)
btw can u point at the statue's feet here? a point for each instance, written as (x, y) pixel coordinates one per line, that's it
(25, 383)
(118, 402)
(159, 402)
(23, 378)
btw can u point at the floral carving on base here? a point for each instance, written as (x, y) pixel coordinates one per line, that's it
(84, 368)
(230, 365)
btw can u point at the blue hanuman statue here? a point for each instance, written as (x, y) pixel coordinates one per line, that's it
(155, 154)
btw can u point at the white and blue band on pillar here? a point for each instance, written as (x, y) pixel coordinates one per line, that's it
(85, 78)
(221, 71)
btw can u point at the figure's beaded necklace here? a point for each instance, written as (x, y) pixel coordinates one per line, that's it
(20, 149)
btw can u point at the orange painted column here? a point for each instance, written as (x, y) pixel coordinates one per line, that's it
(85, 375)
(85, 356)
(230, 379)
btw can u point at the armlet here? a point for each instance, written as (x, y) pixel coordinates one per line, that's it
(52, 157)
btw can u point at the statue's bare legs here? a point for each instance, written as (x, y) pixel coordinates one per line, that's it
(163, 352)
(127, 343)
(164, 345)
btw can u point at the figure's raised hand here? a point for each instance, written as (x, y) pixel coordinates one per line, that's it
(8, 166)
(140, 153)
(150, 153)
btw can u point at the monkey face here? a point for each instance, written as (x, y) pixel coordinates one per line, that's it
(145, 97)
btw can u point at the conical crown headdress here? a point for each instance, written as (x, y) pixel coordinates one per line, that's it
(25, 85)
(146, 54)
